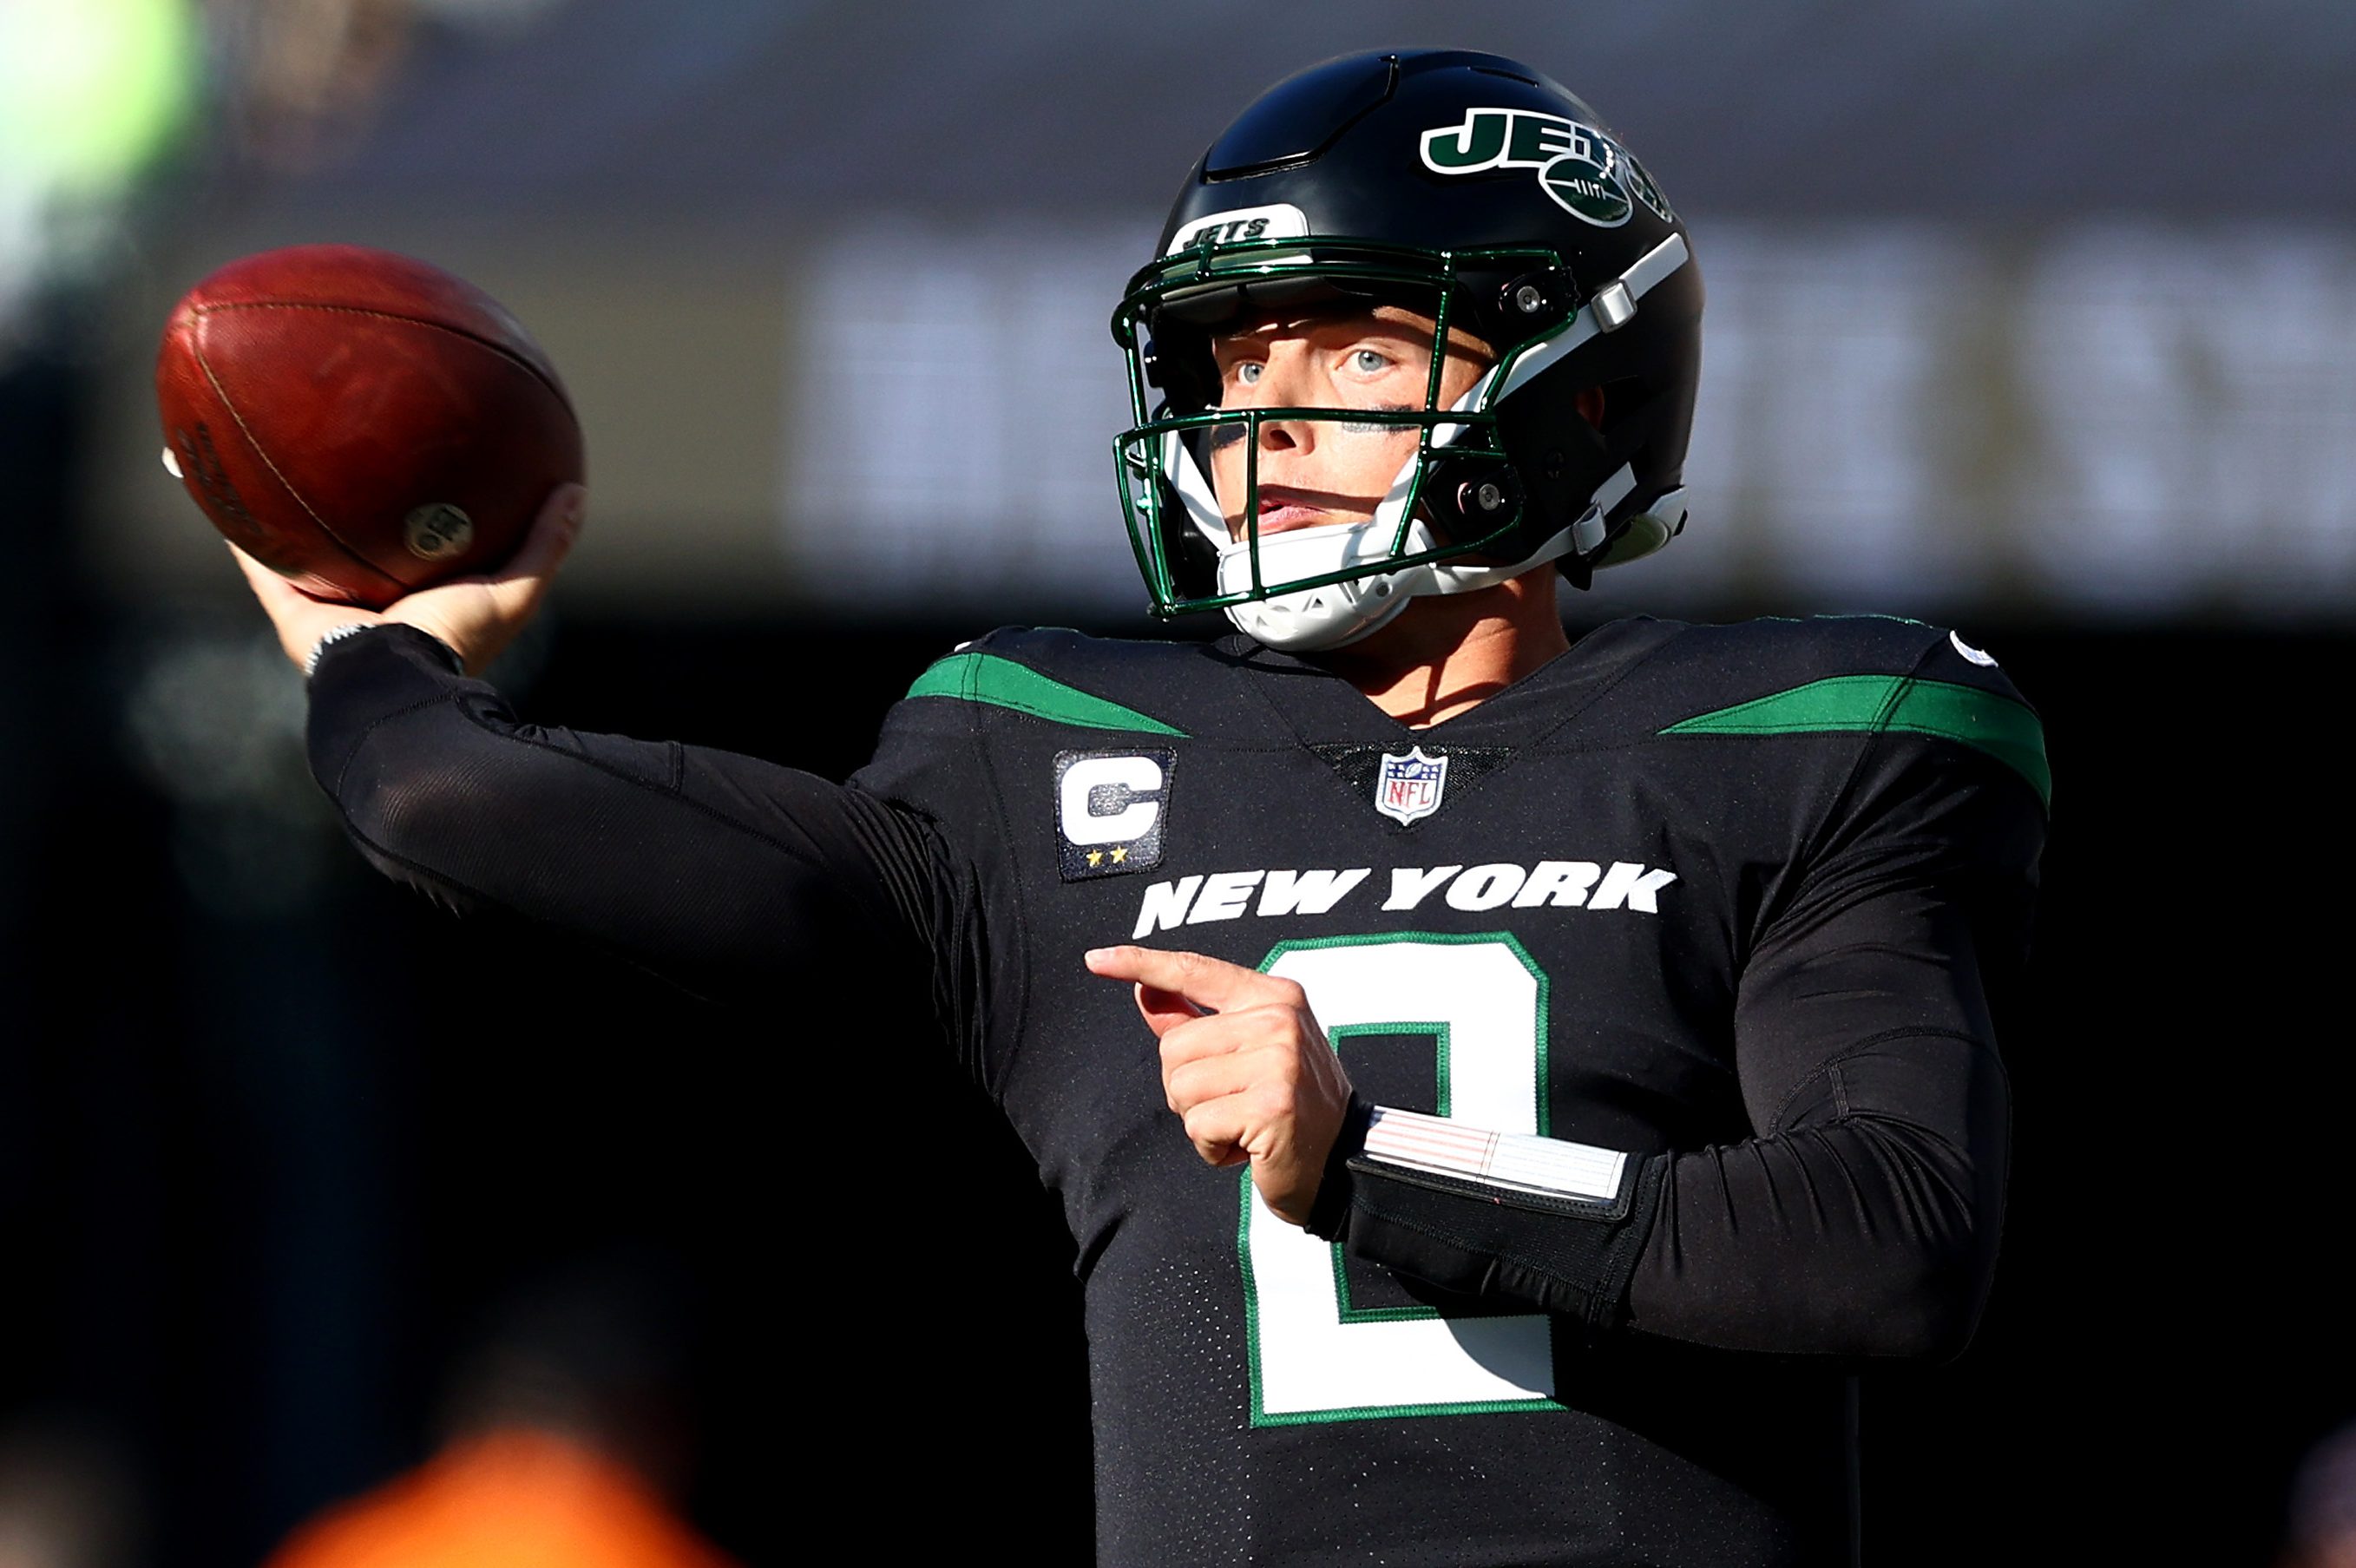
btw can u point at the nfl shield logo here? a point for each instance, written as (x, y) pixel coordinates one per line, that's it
(1407, 787)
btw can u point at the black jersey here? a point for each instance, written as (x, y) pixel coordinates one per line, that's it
(1664, 977)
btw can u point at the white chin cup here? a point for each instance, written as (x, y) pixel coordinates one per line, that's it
(1339, 614)
(1327, 616)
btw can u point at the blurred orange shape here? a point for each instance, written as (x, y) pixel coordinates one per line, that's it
(513, 1497)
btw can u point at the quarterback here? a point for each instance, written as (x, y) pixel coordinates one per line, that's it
(1501, 1089)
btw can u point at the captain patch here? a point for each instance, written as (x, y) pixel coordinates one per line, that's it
(1110, 807)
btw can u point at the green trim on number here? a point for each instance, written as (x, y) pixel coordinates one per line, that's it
(1986, 721)
(1536, 1403)
(1387, 1412)
(1453, 939)
(1251, 1295)
(1002, 684)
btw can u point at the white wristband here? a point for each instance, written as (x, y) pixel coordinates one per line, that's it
(1525, 1162)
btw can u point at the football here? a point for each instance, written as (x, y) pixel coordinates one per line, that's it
(361, 423)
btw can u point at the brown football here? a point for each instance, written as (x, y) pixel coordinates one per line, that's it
(361, 423)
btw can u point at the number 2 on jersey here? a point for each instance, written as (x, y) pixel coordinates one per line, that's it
(1313, 1357)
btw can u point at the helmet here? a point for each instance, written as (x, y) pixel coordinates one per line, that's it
(1494, 201)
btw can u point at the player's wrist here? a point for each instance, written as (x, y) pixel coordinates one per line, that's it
(340, 635)
(329, 638)
(1330, 1210)
(463, 618)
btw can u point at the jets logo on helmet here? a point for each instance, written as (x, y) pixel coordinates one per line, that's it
(1578, 165)
(1633, 175)
(1589, 174)
(1280, 221)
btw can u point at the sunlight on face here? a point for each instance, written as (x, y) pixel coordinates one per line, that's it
(1314, 471)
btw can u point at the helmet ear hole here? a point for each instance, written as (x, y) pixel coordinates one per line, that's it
(1528, 303)
(1469, 498)
(1566, 457)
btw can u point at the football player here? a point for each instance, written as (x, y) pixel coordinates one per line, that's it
(1603, 1032)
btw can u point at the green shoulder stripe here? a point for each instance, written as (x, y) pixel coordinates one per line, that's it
(2003, 728)
(1003, 684)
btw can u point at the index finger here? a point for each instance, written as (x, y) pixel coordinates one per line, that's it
(1206, 982)
(269, 586)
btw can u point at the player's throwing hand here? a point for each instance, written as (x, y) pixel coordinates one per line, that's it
(476, 616)
(1245, 1066)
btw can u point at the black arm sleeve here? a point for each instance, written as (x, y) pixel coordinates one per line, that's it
(1861, 1220)
(719, 873)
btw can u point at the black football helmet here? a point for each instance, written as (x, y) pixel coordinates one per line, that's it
(1485, 195)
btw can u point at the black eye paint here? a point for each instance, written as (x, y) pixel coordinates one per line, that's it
(1357, 428)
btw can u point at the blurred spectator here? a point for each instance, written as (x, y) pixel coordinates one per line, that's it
(567, 1434)
(91, 95)
(303, 79)
(2322, 1532)
(512, 1496)
(304, 74)
(67, 1500)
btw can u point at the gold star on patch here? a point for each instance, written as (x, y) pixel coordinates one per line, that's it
(1096, 857)
(1120, 854)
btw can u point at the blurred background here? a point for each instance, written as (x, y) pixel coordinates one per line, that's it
(2038, 321)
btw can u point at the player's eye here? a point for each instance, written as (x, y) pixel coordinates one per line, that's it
(1369, 362)
(1247, 372)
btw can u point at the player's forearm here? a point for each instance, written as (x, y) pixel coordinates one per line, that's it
(363, 685)
(1865, 1227)
(1867, 1237)
(1532, 1220)
(712, 871)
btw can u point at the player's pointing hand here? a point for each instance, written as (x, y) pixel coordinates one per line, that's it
(1244, 1064)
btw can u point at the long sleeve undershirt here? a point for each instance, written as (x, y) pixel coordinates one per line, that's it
(1859, 1221)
